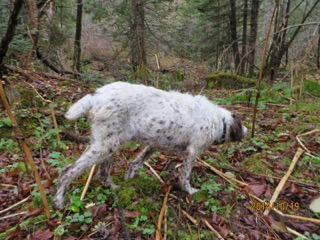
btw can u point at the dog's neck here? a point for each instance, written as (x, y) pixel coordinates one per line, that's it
(224, 132)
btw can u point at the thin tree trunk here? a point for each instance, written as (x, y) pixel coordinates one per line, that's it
(278, 43)
(33, 25)
(233, 33)
(138, 50)
(77, 38)
(244, 35)
(279, 47)
(12, 23)
(318, 57)
(253, 34)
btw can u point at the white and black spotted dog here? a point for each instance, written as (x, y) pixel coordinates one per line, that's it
(120, 112)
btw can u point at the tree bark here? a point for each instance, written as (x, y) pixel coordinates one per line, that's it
(233, 33)
(138, 48)
(12, 23)
(244, 36)
(77, 38)
(278, 42)
(318, 55)
(253, 34)
(33, 22)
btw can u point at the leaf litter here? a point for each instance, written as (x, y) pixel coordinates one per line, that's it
(227, 209)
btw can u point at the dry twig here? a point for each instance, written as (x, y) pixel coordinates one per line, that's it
(14, 205)
(164, 205)
(284, 179)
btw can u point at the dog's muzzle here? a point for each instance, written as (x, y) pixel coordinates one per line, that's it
(244, 130)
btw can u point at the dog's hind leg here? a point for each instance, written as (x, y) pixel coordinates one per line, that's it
(104, 171)
(94, 155)
(138, 161)
(186, 168)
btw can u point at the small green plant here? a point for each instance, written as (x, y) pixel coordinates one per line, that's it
(310, 236)
(76, 205)
(211, 186)
(259, 143)
(7, 144)
(6, 122)
(60, 230)
(142, 220)
(55, 160)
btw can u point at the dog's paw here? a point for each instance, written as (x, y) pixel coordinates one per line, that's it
(109, 183)
(57, 204)
(192, 191)
(129, 174)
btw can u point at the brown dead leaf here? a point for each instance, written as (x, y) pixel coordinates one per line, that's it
(279, 226)
(42, 235)
(132, 214)
(256, 188)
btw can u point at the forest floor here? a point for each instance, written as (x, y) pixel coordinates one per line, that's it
(222, 207)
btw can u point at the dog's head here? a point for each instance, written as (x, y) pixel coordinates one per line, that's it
(237, 131)
(233, 129)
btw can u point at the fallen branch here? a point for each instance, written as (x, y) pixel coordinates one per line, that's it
(225, 176)
(154, 172)
(284, 179)
(47, 62)
(14, 215)
(212, 229)
(14, 205)
(302, 145)
(164, 205)
(87, 183)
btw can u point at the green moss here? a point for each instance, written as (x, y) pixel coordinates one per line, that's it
(312, 87)
(126, 195)
(147, 184)
(310, 106)
(179, 75)
(255, 165)
(199, 196)
(226, 80)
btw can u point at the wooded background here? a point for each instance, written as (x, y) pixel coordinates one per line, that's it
(128, 38)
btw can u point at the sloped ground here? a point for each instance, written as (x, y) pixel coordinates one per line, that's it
(221, 207)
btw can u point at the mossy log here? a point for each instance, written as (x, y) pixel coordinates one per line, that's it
(226, 80)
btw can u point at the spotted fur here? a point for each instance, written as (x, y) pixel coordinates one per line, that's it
(120, 112)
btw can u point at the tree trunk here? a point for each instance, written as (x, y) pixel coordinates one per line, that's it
(12, 23)
(244, 36)
(278, 43)
(77, 38)
(318, 57)
(253, 34)
(280, 46)
(233, 33)
(138, 48)
(33, 25)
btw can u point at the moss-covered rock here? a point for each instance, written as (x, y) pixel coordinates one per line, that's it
(226, 80)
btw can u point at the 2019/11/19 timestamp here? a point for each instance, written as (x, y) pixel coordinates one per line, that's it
(281, 206)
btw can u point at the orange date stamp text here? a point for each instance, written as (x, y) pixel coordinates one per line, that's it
(281, 206)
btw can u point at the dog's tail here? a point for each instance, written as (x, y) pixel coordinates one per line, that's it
(80, 108)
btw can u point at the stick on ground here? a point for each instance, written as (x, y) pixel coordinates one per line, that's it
(284, 179)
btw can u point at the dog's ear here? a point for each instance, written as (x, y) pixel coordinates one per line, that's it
(236, 130)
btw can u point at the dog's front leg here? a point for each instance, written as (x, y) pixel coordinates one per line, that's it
(137, 162)
(186, 168)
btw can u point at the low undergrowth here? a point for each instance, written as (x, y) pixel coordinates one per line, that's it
(259, 162)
